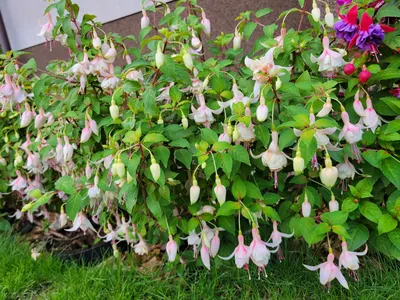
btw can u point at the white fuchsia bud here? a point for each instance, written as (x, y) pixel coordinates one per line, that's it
(159, 57)
(119, 168)
(194, 192)
(329, 174)
(229, 129)
(333, 204)
(88, 171)
(93, 126)
(27, 116)
(155, 169)
(63, 218)
(315, 12)
(298, 163)
(96, 40)
(262, 110)
(196, 43)
(329, 18)
(18, 160)
(237, 41)
(206, 23)
(219, 190)
(306, 207)
(114, 110)
(160, 120)
(86, 133)
(187, 60)
(357, 105)
(145, 21)
(185, 122)
(326, 108)
(40, 119)
(172, 249)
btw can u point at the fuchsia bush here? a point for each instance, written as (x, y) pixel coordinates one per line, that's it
(208, 149)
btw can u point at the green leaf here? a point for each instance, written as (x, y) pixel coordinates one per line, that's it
(391, 169)
(386, 223)
(335, 217)
(393, 126)
(192, 224)
(322, 228)
(4, 225)
(393, 203)
(66, 184)
(394, 237)
(340, 230)
(271, 198)
(262, 12)
(239, 153)
(388, 10)
(228, 223)
(175, 93)
(271, 213)
(76, 203)
(249, 29)
(374, 158)
(210, 136)
(358, 236)
(227, 163)
(239, 189)
(228, 208)
(152, 138)
(220, 146)
(161, 153)
(263, 134)
(371, 211)
(185, 157)
(149, 100)
(349, 205)
(252, 190)
(174, 71)
(154, 205)
(389, 73)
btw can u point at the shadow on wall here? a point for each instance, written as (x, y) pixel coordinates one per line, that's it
(222, 14)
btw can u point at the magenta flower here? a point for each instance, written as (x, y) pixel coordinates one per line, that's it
(347, 27)
(343, 2)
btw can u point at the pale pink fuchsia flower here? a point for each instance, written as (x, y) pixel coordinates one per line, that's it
(172, 249)
(352, 133)
(349, 259)
(203, 114)
(18, 184)
(142, 247)
(125, 230)
(215, 244)
(98, 66)
(280, 38)
(61, 220)
(224, 137)
(110, 82)
(329, 60)
(81, 70)
(94, 191)
(237, 98)
(47, 29)
(206, 209)
(96, 42)
(333, 204)
(81, 222)
(68, 150)
(306, 207)
(165, 93)
(194, 240)
(346, 170)
(259, 252)
(34, 164)
(110, 54)
(111, 234)
(17, 215)
(273, 158)
(59, 151)
(88, 171)
(242, 253)
(219, 190)
(371, 119)
(276, 237)
(264, 69)
(205, 255)
(329, 271)
(27, 116)
(134, 75)
(11, 91)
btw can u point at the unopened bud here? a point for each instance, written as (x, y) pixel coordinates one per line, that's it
(114, 110)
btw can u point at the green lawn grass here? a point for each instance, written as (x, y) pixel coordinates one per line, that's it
(47, 278)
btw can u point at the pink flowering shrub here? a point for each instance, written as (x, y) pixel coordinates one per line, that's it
(206, 148)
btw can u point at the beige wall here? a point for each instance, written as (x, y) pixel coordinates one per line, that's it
(222, 14)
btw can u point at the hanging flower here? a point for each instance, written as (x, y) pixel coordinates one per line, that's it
(81, 222)
(329, 60)
(349, 259)
(238, 97)
(172, 249)
(329, 271)
(242, 253)
(203, 114)
(264, 69)
(47, 29)
(347, 27)
(142, 247)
